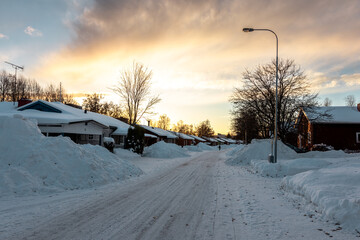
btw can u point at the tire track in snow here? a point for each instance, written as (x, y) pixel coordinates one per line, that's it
(163, 207)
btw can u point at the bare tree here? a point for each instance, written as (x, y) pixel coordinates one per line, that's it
(327, 102)
(134, 89)
(4, 85)
(257, 95)
(92, 103)
(350, 100)
(205, 129)
(164, 122)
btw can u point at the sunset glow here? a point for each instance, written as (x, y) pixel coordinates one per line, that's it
(196, 49)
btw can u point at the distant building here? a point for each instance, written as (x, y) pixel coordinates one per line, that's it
(161, 134)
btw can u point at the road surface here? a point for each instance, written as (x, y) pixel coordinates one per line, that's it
(200, 199)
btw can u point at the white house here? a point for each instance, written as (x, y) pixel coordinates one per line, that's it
(55, 118)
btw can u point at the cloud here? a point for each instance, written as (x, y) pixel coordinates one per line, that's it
(32, 32)
(201, 44)
(3, 36)
(351, 79)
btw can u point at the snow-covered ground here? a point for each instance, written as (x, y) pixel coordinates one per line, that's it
(326, 181)
(52, 188)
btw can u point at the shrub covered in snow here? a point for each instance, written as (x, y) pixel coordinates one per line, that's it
(31, 163)
(165, 150)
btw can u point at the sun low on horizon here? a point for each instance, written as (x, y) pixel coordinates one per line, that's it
(196, 50)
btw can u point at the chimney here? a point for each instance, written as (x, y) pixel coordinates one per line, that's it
(23, 102)
(358, 107)
(85, 111)
(149, 121)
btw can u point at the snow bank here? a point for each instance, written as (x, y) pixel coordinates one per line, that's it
(165, 150)
(200, 147)
(125, 153)
(289, 167)
(334, 189)
(31, 163)
(259, 150)
(204, 146)
(193, 148)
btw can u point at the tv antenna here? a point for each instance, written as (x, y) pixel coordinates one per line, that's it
(16, 67)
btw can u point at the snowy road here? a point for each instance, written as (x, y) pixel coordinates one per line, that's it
(200, 199)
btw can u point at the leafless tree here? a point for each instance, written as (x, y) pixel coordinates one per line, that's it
(257, 95)
(164, 122)
(5, 85)
(327, 102)
(350, 100)
(134, 89)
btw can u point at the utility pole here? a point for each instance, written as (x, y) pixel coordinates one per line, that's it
(14, 93)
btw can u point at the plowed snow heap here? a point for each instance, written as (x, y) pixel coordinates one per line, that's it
(32, 163)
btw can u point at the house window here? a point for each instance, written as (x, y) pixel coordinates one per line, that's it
(358, 137)
(91, 137)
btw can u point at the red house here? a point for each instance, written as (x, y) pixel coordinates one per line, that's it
(338, 127)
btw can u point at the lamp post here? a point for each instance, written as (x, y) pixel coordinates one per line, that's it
(276, 92)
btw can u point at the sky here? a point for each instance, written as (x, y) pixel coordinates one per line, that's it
(195, 49)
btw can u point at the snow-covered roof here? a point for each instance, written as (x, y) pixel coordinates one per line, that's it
(198, 138)
(220, 140)
(64, 115)
(210, 139)
(159, 132)
(336, 114)
(182, 135)
(150, 135)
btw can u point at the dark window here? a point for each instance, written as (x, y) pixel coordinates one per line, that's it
(91, 137)
(358, 137)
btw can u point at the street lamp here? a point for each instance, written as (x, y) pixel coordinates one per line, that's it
(272, 158)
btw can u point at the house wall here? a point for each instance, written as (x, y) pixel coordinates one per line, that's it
(80, 133)
(340, 136)
(169, 140)
(119, 140)
(83, 128)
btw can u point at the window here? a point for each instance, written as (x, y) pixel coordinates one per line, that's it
(358, 137)
(91, 137)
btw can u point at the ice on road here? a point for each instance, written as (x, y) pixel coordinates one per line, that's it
(200, 199)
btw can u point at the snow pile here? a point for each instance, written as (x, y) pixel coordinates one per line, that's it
(290, 167)
(259, 150)
(193, 148)
(302, 162)
(165, 150)
(235, 150)
(32, 163)
(204, 146)
(125, 153)
(334, 189)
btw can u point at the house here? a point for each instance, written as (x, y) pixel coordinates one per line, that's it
(183, 139)
(83, 127)
(150, 139)
(338, 127)
(198, 139)
(210, 141)
(161, 134)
